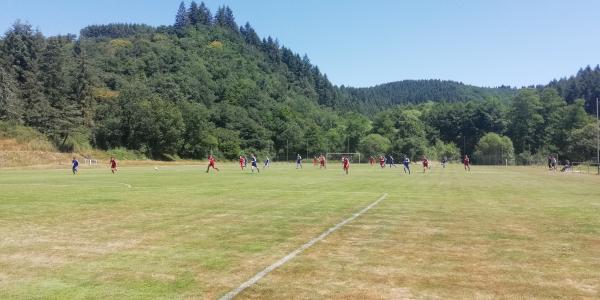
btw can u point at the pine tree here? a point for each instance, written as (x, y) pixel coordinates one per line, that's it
(21, 49)
(271, 48)
(250, 35)
(51, 70)
(220, 16)
(225, 18)
(11, 107)
(194, 13)
(182, 19)
(230, 19)
(204, 15)
(81, 88)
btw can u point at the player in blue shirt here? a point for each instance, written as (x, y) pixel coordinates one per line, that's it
(75, 163)
(254, 163)
(391, 161)
(298, 161)
(406, 164)
(267, 162)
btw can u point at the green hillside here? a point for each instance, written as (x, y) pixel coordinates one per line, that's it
(206, 85)
(404, 92)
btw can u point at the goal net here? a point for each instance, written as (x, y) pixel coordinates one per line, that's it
(337, 157)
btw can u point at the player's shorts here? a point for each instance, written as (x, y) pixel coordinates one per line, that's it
(253, 164)
(211, 164)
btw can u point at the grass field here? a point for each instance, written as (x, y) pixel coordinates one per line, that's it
(179, 233)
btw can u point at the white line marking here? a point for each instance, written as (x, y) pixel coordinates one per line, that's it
(293, 254)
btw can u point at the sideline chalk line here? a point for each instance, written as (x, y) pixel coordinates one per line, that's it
(293, 254)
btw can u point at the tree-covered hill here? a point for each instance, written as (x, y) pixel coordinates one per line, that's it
(207, 85)
(584, 85)
(404, 92)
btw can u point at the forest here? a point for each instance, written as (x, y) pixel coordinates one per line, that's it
(208, 85)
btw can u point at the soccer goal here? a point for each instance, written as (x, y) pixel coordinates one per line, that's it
(354, 157)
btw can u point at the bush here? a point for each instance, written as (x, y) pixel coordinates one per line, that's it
(413, 147)
(374, 144)
(440, 150)
(494, 149)
(526, 158)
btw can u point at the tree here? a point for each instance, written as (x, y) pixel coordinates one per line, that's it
(494, 149)
(383, 124)
(374, 144)
(21, 50)
(250, 35)
(224, 18)
(526, 128)
(414, 147)
(204, 15)
(66, 117)
(553, 107)
(194, 13)
(156, 127)
(11, 107)
(357, 126)
(229, 143)
(442, 150)
(115, 30)
(571, 118)
(81, 87)
(581, 143)
(198, 137)
(182, 19)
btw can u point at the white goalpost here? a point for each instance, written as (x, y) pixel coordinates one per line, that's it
(335, 156)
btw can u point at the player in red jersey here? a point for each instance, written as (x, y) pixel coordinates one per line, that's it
(242, 163)
(382, 161)
(211, 163)
(371, 160)
(345, 164)
(113, 165)
(322, 162)
(315, 161)
(467, 163)
(425, 164)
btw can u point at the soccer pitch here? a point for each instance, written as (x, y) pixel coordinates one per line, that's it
(179, 233)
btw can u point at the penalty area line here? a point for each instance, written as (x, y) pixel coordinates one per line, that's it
(299, 250)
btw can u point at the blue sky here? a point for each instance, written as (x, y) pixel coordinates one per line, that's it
(363, 43)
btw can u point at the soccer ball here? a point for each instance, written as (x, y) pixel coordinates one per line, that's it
(156, 168)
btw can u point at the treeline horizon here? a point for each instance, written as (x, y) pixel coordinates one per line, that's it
(206, 85)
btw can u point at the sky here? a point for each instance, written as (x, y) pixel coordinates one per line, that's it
(365, 43)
